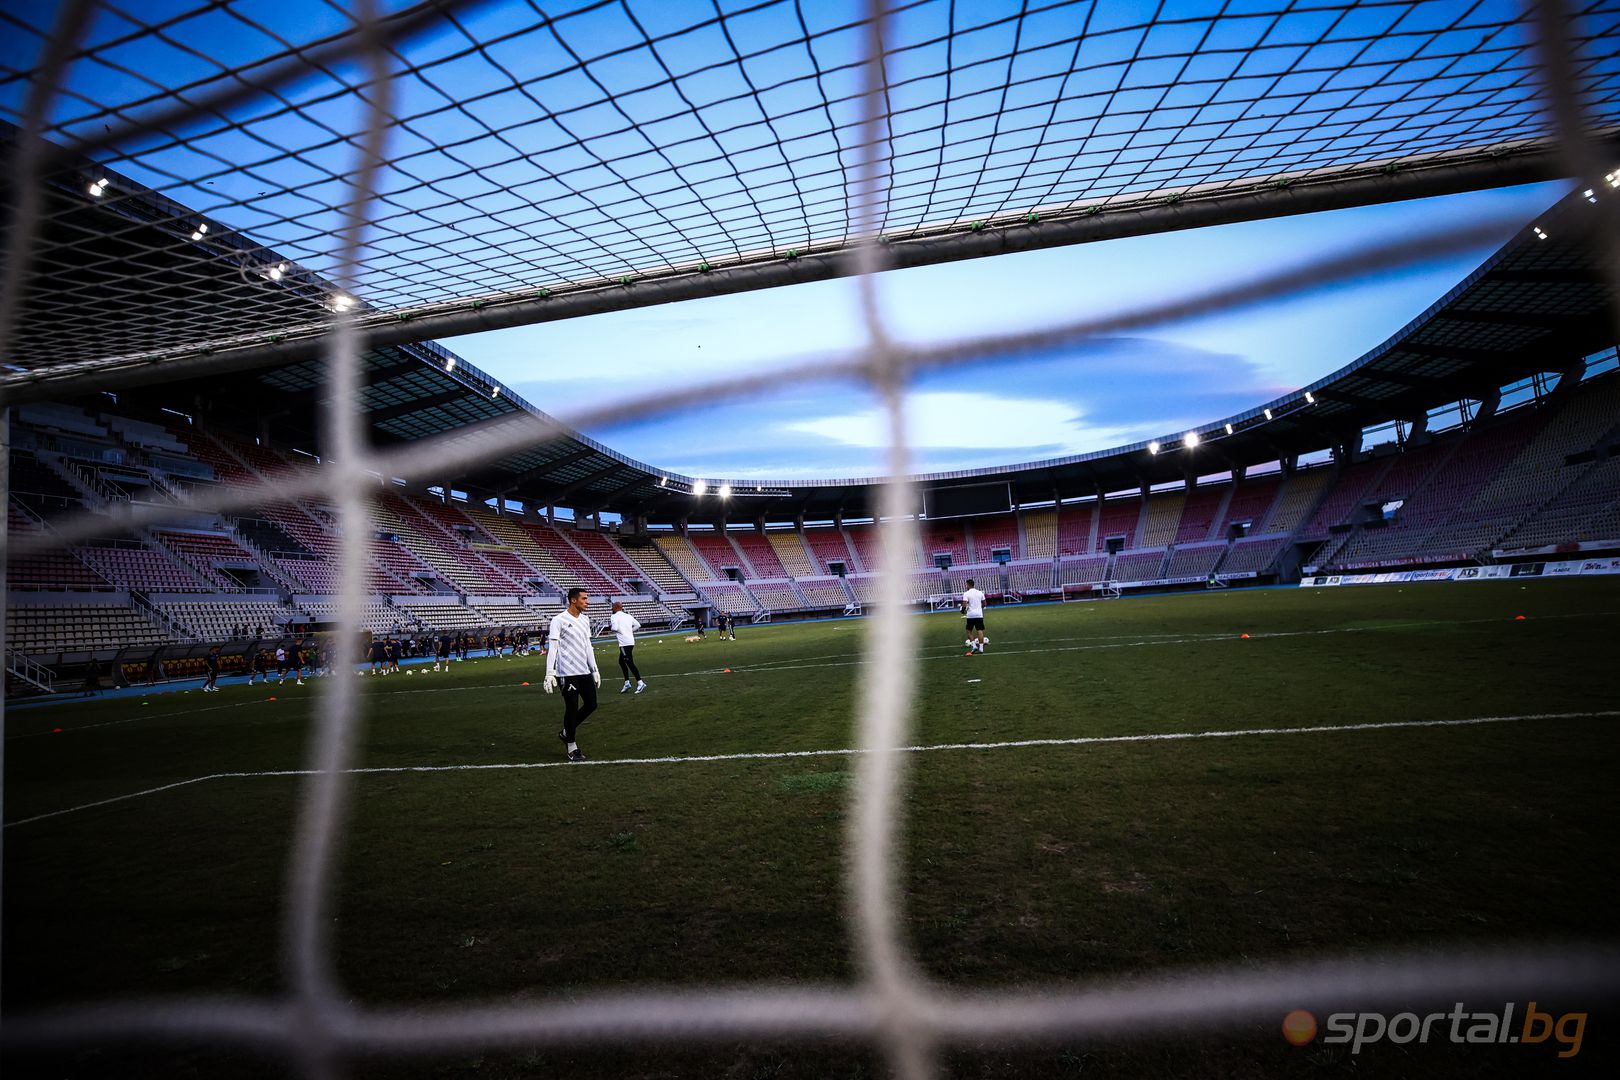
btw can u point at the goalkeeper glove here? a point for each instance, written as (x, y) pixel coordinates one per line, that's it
(596, 677)
(550, 684)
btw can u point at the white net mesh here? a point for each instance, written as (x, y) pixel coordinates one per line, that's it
(893, 1005)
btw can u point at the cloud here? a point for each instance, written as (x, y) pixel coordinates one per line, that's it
(967, 421)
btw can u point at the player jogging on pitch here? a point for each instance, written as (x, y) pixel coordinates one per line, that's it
(624, 627)
(973, 610)
(572, 662)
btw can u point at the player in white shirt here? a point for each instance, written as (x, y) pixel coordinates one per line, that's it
(624, 626)
(973, 610)
(571, 661)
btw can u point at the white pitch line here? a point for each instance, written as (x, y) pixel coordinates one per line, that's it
(779, 755)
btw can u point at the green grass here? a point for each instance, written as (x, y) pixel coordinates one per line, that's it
(1023, 865)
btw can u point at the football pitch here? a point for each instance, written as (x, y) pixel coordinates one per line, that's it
(1319, 796)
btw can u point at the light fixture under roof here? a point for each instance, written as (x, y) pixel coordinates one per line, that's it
(450, 364)
(699, 487)
(341, 302)
(1268, 414)
(725, 491)
(1153, 447)
(1190, 439)
(98, 188)
(1310, 398)
(495, 393)
(1229, 429)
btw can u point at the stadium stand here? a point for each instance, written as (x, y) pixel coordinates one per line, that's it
(717, 554)
(1534, 476)
(1117, 519)
(224, 620)
(1083, 569)
(1299, 496)
(607, 557)
(565, 565)
(792, 553)
(209, 555)
(53, 570)
(776, 595)
(376, 616)
(992, 534)
(824, 593)
(1253, 555)
(78, 622)
(1251, 501)
(920, 585)
(133, 565)
(1031, 578)
(828, 546)
(650, 560)
(1566, 516)
(1201, 512)
(525, 553)
(1076, 525)
(1138, 565)
(730, 597)
(945, 538)
(1161, 519)
(1194, 560)
(1040, 534)
(684, 557)
(760, 553)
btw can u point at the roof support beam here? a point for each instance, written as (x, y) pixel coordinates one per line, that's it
(539, 472)
(1075, 226)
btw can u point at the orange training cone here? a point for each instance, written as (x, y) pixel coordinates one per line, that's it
(1243, 635)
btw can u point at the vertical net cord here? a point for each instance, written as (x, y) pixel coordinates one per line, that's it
(323, 809)
(71, 23)
(5, 584)
(1555, 53)
(874, 822)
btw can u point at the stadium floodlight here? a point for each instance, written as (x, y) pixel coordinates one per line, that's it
(1229, 429)
(1190, 439)
(450, 365)
(276, 272)
(340, 302)
(1268, 414)
(725, 491)
(1591, 196)
(663, 481)
(1310, 398)
(699, 487)
(1539, 234)
(99, 188)
(1153, 447)
(495, 393)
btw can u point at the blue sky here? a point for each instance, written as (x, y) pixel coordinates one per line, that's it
(1108, 393)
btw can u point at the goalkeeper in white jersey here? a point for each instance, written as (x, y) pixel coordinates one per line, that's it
(571, 661)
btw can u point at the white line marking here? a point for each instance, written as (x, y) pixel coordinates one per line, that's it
(1089, 740)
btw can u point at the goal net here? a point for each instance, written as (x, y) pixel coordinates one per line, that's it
(862, 171)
